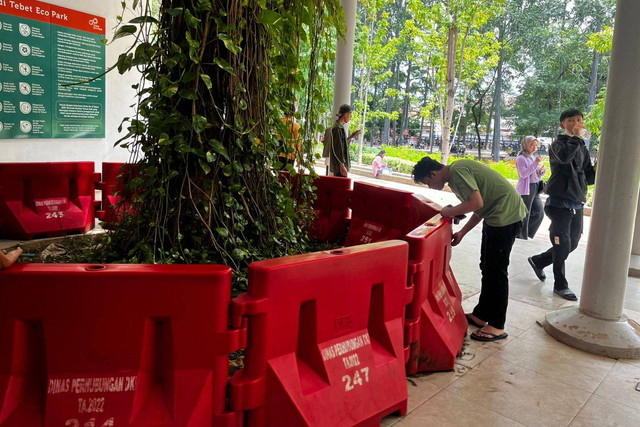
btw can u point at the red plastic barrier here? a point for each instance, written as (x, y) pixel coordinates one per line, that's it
(436, 324)
(380, 214)
(112, 185)
(46, 199)
(115, 345)
(325, 334)
(331, 207)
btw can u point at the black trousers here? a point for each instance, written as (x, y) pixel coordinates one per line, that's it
(494, 263)
(564, 232)
(534, 218)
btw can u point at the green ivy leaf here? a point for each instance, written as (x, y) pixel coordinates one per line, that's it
(269, 17)
(125, 30)
(169, 91)
(191, 20)
(124, 62)
(175, 12)
(229, 44)
(205, 166)
(238, 254)
(188, 94)
(207, 80)
(223, 232)
(224, 65)
(145, 19)
(219, 148)
(199, 123)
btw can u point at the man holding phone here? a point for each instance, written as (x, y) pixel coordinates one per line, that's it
(340, 162)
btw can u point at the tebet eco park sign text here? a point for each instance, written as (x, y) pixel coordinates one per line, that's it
(50, 57)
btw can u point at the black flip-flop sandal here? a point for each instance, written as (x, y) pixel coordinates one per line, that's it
(491, 337)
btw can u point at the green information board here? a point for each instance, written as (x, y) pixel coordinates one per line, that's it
(50, 57)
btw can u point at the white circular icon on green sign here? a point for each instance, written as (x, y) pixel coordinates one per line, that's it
(0, 107)
(24, 29)
(25, 88)
(25, 69)
(0, 87)
(25, 107)
(25, 49)
(1, 126)
(25, 126)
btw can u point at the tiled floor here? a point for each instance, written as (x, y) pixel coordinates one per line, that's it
(530, 378)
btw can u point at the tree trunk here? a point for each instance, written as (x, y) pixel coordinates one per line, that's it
(452, 47)
(431, 138)
(593, 87)
(498, 106)
(364, 115)
(455, 132)
(405, 107)
(387, 122)
(489, 121)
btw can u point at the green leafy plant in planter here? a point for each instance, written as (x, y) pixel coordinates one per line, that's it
(217, 77)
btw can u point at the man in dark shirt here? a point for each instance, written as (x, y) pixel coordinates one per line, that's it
(571, 172)
(339, 155)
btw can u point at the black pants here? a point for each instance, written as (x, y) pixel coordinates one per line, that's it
(494, 263)
(565, 231)
(534, 218)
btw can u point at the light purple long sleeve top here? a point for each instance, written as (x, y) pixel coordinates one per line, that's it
(529, 172)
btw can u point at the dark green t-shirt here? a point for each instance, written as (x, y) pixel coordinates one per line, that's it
(502, 203)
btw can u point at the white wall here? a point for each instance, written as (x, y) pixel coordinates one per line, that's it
(118, 97)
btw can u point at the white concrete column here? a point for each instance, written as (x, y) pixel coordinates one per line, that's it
(635, 246)
(634, 262)
(344, 59)
(598, 325)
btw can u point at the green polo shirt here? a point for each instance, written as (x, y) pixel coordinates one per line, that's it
(502, 203)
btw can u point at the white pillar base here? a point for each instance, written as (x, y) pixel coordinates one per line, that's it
(619, 339)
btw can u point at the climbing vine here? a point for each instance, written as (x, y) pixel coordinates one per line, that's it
(216, 78)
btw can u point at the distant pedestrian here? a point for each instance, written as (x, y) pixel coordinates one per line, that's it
(379, 166)
(571, 173)
(340, 162)
(530, 173)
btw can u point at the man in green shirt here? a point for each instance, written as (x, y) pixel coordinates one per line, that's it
(492, 198)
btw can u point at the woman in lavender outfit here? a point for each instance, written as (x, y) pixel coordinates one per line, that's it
(530, 172)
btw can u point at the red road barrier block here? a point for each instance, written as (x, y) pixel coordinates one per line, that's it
(435, 321)
(112, 185)
(331, 207)
(380, 214)
(46, 199)
(115, 345)
(325, 335)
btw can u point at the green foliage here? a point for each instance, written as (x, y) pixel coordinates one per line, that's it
(216, 79)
